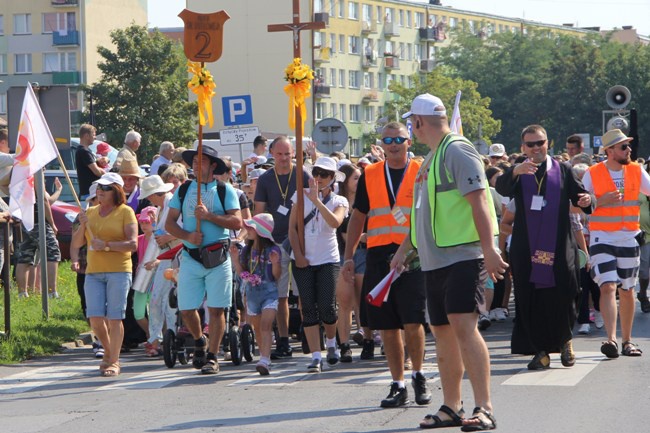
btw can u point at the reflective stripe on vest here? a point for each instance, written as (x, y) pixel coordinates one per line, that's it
(451, 214)
(382, 227)
(616, 216)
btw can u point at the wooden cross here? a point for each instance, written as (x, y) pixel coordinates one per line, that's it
(296, 26)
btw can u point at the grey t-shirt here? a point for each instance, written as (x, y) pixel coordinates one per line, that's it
(465, 165)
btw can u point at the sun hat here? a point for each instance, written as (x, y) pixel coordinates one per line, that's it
(497, 149)
(109, 179)
(260, 161)
(327, 163)
(425, 105)
(363, 161)
(343, 162)
(263, 225)
(254, 174)
(152, 185)
(211, 153)
(103, 148)
(614, 137)
(130, 167)
(92, 192)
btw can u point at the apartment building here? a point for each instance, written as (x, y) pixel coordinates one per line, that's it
(55, 42)
(366, 45)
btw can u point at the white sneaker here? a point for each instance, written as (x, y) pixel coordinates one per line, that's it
(493, 315)
(500, 314)
(598, 319)
(584, 329)
(483, 322)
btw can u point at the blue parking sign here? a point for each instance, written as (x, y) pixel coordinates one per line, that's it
(237, 110)
(598, 140)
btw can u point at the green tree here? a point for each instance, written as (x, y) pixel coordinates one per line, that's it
(144, 87)
(474, 109)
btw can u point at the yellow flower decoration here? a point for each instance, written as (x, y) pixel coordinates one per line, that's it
(299, 77)
(202, 84)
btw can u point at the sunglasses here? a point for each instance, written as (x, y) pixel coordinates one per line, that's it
(391, 140)
(531, 144)
(319, 172)
(624, 147)
(105, 187)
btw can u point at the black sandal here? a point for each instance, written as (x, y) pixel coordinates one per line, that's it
(609, 349)
(434, 421)
(210, 367)
(630, 349)
(482, 425)
(200, 356)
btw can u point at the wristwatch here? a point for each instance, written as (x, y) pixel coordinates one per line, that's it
(106, 247)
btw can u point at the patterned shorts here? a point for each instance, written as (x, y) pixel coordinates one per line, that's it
(615, 263)
(26, 253)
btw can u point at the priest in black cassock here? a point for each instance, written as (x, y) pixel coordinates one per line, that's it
(543, 251)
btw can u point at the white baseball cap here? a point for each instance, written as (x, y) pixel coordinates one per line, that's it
(497, 149)
(425, 105)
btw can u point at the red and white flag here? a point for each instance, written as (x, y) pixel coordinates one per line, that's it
(456, 123)
(34, 149)
(379, 294)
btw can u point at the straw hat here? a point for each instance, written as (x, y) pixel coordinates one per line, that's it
(130, 167)
(614, 137)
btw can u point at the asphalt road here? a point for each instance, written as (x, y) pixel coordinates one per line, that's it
(64, 393)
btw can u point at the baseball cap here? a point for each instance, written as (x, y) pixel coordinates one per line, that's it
(497, 149)
(109, 179)
(425, 105)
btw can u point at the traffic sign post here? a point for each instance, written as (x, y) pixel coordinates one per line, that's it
(330, 135)
(237, 110)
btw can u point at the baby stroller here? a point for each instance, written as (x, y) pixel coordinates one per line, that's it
(240, 342)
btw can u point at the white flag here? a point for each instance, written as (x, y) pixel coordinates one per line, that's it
(456, 125)
(34, 149)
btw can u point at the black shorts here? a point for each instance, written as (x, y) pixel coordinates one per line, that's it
(406, 302)
(455, 289)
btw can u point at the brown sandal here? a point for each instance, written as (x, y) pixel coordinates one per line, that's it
(112, 370)
(103, 366)
(630, 349)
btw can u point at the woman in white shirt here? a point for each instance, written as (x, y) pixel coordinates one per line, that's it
(316, 268)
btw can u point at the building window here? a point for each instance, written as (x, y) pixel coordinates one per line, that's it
(354, 113)
(355, 146)
(342, 117)
(367, 80)
(2, 25)
(333, 77)
(388, 17)
(453, 22)
(319, 6)
(23, 63)
(401, 18)
(401, 50)
(22, 24)
(332, 43)
(353, 45)
(381, 81)
(368, 114)
(320, 110)
(353, 10)
(409, 19)
(366, 10)
(3, 63)
(379, 15)
(59, 22)
(333, 110)
(341, 9)
(332, 10)
(59, 62)
(319, 39)
(341, 43)
(341, 77)
(419, 19)
(3, 103)
(418, 52)
(354, 79)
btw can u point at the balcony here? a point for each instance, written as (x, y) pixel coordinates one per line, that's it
(427, 65)
(428, 33)
(321, 55)
(64, 3)
(369, 61)
(391, 62)
(322, 17)
(322, 91)
(370, 95)
(368, 27)
(71, 37)
(391, 29)
(70, 77)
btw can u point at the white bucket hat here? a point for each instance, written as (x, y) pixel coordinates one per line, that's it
(152, 185)
(327, 163)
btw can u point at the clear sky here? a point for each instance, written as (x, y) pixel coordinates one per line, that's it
(583, 13)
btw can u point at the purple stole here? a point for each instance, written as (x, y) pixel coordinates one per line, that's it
(542, 225)
(134, 199)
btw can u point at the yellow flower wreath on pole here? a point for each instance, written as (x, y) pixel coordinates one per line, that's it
(202, 84)
(299, 77)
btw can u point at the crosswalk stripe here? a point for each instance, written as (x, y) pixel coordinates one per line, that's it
(430, 371)
(38, 377)
(558, 375)
(153, 379)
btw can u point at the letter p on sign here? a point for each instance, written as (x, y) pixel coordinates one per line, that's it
(237, 110)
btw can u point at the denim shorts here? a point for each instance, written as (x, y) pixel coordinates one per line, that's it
(196, 283)
(360, 261)
(261, 297)
(106, 294)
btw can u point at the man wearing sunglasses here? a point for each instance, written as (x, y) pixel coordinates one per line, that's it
(384, 197)
(616, 236)
(543, 252)
(453, 224)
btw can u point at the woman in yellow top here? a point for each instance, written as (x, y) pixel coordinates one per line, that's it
(110, 230)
